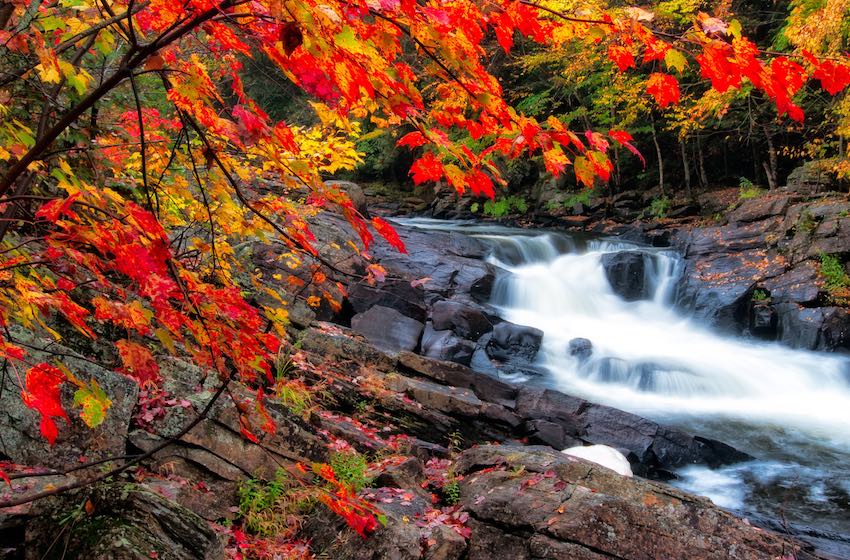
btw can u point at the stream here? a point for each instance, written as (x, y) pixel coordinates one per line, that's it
(788, 408)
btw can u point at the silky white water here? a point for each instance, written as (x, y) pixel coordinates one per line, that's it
(649, 358)
(788, 408)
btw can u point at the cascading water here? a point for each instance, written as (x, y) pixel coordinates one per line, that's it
(789, 408)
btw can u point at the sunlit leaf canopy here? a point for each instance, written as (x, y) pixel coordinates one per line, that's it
(135, 162)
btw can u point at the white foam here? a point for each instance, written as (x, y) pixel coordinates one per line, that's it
(602, 455)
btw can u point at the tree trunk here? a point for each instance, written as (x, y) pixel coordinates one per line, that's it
(703, 176)
(687, 169)
(771, 169)
(660, 161)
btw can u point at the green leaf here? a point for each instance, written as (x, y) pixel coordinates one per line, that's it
(735, 28)
(94, 402)
(675, 60)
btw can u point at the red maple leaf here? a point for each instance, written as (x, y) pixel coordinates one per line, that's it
(664, 88)
(388, 232)
(42, 394)
(622, 57)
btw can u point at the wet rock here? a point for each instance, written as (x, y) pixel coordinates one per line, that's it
(763, 321)
(816, 328)
(511, 342)
(387, 329)
(464, 320)
(393, 293)
(581, 348)
(553, 434)
(652, 448)
(446, 345)
(626, 273)
(127, 523)
(22, 441)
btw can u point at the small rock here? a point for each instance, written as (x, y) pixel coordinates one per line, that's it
(581, 348)
(511, 341)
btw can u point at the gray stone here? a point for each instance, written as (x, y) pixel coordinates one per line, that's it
(387, 329)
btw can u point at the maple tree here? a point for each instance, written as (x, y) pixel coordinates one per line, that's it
(133, 161)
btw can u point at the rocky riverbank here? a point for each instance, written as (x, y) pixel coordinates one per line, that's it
(409, 368)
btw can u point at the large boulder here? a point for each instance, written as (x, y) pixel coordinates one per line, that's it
(535, 503)
(626, 272)
(650, 447)
(22, 440)
(394, 293)
(387, 329)
(354, 192)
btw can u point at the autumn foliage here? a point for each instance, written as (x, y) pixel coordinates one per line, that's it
(133, 161)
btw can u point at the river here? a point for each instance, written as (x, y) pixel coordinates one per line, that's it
(788, 408)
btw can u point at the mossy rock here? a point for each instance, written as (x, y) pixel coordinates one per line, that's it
(118, 521)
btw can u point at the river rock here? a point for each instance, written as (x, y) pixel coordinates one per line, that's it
(580, 348)
(394, 293)
(763, 321)
(387, 329)
(511, 342)
(463, 319)
(626, 272)
(354, 192)
(446, 345)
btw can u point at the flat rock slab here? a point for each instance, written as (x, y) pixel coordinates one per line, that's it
(565, 507)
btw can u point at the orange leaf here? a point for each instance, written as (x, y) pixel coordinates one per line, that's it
(664, 88)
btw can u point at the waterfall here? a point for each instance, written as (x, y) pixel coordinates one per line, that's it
(649, 358)
(788, 408)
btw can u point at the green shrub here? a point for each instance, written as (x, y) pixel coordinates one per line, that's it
(748, 190)
(274, 508)
(835, 276)
(760, 295)
(501, 207)
(659, 207)
(451, 492)
(582, 197)
(806, 223)
(350, 468)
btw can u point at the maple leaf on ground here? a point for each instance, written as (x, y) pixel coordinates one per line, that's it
(42, 393)
(664, 88)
